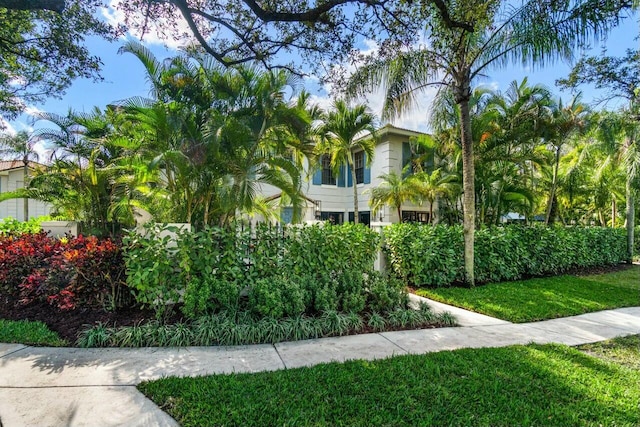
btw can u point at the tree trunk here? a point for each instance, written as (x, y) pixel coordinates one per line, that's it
(630, 219)
(399, 214)
(468, 176)
(614, 210)
(352, 166)
(25, 200)
(430, 212)
(554, 186)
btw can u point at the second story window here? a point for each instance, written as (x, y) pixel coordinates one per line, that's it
(358, 161)
(327, 172)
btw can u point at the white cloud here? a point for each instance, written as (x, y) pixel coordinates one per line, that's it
(17, 81)
(32, 111)
(6, 127)
(159, 32)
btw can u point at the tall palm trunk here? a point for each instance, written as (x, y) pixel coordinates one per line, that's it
(25, 200)
(554, 187)
(614, 210)
(468, 175)
(630, 219)
(352, 166)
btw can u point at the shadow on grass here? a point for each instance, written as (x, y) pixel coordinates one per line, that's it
(521, 385)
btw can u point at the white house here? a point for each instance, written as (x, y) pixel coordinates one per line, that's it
(11, 179)
(330, 197)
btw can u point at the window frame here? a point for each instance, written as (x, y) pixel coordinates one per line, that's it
(327, 172)
(359, 165)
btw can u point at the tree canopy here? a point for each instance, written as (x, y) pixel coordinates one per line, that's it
(42, 49)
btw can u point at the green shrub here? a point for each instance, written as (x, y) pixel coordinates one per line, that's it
(277, 297)
(385, 292)
(283, 272)
(152, 269)
(425, 254)
(13, 226)
(433, 255)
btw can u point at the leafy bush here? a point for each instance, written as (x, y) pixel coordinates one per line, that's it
(21, 255)
(425, 254)
(152, 268)
(277, 297)
(13, 226)
(433, 255)
(66, 274)
(268, 271)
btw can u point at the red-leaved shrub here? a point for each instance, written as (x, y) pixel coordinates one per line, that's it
(78, 272)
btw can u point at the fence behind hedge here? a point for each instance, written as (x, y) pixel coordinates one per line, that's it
(294, 269)
(433, 255)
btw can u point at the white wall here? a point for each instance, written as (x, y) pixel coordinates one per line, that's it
(387, 158)
(14, 208)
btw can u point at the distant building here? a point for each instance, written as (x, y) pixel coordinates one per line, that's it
(11, 179)
(329, 197)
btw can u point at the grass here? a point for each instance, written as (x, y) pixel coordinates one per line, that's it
(624, 351)
(28, 332)
(520, 385)
(546, 298)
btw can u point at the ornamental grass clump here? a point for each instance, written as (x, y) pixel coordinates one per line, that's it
(243, 329)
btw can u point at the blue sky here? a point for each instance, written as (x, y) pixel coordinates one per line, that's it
(124, 77)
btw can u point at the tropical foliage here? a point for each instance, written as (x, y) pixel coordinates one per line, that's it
(432, 255)
(496, 33)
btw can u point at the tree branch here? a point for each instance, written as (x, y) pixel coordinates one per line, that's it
(52, 5)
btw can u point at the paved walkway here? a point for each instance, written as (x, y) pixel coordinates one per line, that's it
(42, 386)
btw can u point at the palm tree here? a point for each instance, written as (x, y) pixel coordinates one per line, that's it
(563, 123)
(20, 147)
(218, 135)
(343, 131)
(433, 186)
(393, 191)
(496, 34)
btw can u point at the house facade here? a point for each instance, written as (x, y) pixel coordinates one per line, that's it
(11, 179)
(330, 197)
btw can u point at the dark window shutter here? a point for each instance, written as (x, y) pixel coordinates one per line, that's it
(367, 171)
(317, 177)
(286, 215)
(341, 177)
(349, 178)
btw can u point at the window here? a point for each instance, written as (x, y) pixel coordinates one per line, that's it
(332, 217)
(414, 216)
(364, 217)
(327, 172)
(358, 161)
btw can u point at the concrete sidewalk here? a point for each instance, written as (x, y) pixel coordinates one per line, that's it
(42, 386)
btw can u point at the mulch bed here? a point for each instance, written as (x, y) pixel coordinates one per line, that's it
(69, 323)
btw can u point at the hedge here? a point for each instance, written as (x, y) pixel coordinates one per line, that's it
(425, 255)
(269, 271)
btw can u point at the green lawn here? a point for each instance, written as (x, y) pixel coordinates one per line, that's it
(624, 351)
(27, 332)
(521, 385)
(546, 298)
